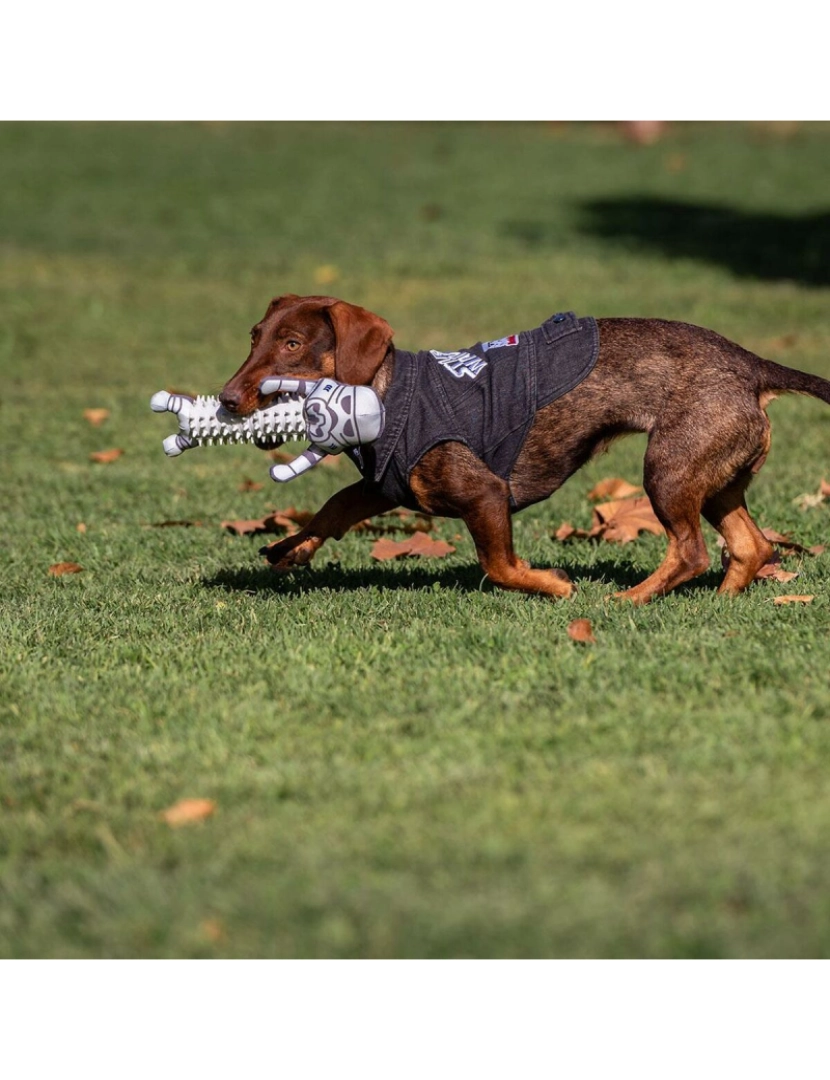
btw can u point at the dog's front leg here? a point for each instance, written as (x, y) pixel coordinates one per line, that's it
(337, 516)
(451, 480)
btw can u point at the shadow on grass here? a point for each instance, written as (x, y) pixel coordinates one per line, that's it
(766, 246)
(413, 577)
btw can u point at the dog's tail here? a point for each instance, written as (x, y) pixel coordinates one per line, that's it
(777, 379)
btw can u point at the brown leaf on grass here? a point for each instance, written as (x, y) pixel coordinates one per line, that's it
(81, 527)
(773, 570)
(96, 417)
(622, 520)
(784, 541)
(619, 521)
(294, 516)
(793, 599)
(566, 531)
(253, 526)
(60, 568)
(581, 630)
(105, 457)
(280, 521)
(612, 488)
(188, 812)
(251, 485)
(418, 544)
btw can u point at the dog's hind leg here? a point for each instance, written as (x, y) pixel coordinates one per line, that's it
(748, 548)
(720, 453)
(674, 488)
(726, 509)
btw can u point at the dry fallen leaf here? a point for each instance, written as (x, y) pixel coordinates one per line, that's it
(280, 521)
(251, 526)
(293, 515)
(417, 544)
(188, 812)
(581, 630)
(623, 520)
(96, 417)
(773, 570)
(81, 527)
(250, 485)
(618, 521)
(104, 457)
(793, 599)
(61, 568)
(782, 540)
(612, 488)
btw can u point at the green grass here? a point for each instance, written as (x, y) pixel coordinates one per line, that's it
(405, 761)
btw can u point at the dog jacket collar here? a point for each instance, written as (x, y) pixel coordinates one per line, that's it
(485, 397)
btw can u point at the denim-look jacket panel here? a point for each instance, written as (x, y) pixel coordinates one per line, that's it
(485, 396)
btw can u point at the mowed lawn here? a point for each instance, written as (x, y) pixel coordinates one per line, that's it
(404, 761)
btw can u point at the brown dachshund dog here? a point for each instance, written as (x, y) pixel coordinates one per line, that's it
(700, 398)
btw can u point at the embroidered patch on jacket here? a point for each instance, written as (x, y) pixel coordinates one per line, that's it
(460, 364)
(500, 343)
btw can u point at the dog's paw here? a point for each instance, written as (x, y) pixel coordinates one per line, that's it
(285, 555)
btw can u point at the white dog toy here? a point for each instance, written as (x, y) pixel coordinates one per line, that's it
(333, 415)
(337, 416)
(203, 421)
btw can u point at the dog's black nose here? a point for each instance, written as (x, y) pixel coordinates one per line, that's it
(230, 401)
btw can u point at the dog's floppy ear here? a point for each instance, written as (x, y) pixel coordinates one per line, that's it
(361, 342)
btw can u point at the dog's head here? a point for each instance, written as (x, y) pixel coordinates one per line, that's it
(308, 337)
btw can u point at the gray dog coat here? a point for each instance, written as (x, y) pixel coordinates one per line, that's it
(485, 397)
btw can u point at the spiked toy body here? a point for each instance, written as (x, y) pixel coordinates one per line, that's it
(203, 422)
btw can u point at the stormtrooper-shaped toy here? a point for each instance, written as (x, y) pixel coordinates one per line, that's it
(337, 416)
(334, 416)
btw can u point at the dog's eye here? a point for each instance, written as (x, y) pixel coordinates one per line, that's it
(292, 344)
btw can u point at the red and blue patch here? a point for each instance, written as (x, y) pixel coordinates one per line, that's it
(501, 343)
